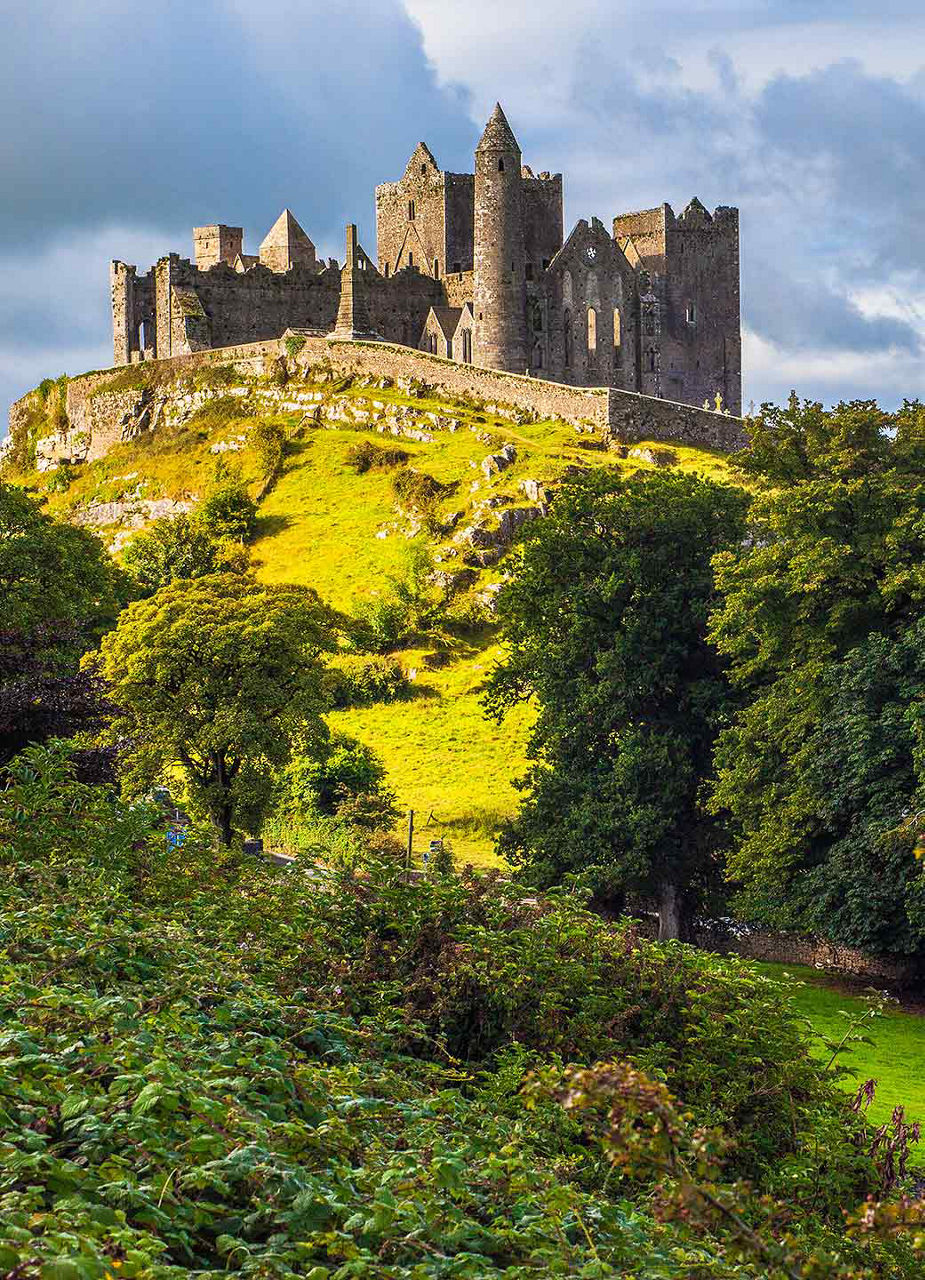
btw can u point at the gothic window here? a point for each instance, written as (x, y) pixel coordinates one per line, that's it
(567, 289)
(536, 317)
(411, 211)
(467, 346)
(592, 330)
(652, 361)
(617, 327)
(567, 324)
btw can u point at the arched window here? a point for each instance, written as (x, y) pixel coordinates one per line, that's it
(652, 361)
(567, 289)
(467, 346)
(592, 329)
(617, 327)
(411, 211)
(536, 317)
(433, 344)
(567, 325)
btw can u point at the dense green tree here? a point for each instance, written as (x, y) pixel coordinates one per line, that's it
(228, 512)
(59, 591)
(820, 619)
(220, 678)
(605, 621)
(170, 548)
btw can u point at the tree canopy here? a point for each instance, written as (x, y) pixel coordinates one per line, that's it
(221, 678)
(59, 591)
(820, 620)
(604, 623)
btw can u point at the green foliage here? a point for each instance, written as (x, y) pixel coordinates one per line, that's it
(228, 512)
(342, 779)
(52, 572)
(359, 681)
(605, 621)
(367, 456)
(268, 440)
(211, 1067)
(220, 678)
(59, 591)
(172, 547)
(410, 607)
(294, 345)
(820, 619)
(420, 493)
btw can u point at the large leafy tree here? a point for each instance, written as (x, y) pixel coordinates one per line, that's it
(821, 622)
(219, 678)
(605, 624)
(59, 590)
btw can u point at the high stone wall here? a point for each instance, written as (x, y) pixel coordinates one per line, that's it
(109, 406)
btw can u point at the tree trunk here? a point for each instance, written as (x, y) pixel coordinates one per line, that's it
(221, 813)
(669, 912)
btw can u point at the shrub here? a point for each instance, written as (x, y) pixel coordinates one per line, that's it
(359, 681)
(367, 456)
(320, 784)
(268, 441)
(229, 512)
(294, 345)
(205, 1071)
(416, 489)
(410, 606)
(170, 548)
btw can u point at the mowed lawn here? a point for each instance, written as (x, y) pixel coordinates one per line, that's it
(895, 1059)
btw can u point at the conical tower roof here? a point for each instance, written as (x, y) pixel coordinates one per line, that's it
(498, 135)
(287, 234)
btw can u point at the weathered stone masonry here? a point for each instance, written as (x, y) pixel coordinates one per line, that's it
(474, 267)
(101, 412)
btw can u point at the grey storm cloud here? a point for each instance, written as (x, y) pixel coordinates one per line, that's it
(173, 113)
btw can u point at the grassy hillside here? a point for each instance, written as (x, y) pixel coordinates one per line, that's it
(344, 534)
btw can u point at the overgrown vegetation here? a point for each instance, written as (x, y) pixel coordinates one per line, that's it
(367, 456)
(212, 1067)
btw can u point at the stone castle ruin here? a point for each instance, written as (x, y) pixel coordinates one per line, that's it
(473, 267)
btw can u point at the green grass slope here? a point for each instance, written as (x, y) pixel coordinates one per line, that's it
(342, 533)
(894, 1055)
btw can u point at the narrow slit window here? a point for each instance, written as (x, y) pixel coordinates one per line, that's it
(592, 329)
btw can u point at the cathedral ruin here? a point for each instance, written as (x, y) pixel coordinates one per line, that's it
(473, 267)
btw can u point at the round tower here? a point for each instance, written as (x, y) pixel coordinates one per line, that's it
(500, 302)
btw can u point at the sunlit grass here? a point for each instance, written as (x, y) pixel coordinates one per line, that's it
(894, 1058)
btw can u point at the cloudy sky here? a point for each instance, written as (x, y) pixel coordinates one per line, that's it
(126, 123)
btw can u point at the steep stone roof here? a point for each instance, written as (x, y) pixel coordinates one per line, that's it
(498, 135)
(287, 234)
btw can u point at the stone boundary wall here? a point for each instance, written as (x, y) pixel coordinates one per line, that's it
(99, 418)
(796, 948)
(576, 405)
(731, 937)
